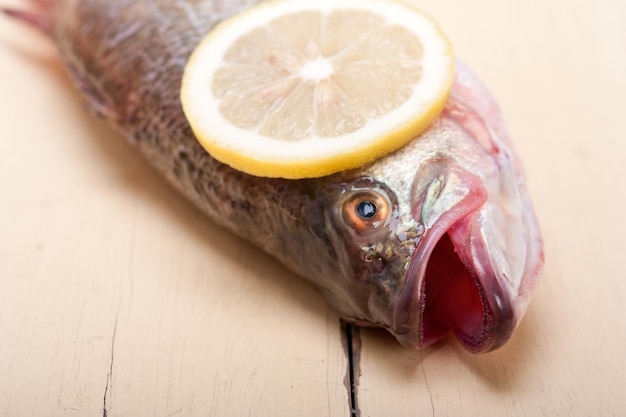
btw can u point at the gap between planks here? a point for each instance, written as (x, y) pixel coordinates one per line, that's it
(351, 341)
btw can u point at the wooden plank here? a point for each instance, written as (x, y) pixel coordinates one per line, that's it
(117, 295)
(557, 69)
(114, 287)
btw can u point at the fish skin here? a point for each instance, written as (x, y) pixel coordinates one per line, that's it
(459, 182)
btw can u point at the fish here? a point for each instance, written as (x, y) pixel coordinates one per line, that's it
(436, 239)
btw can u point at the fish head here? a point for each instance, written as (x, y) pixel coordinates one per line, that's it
(439, 237)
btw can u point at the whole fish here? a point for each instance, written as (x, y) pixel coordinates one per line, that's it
(438, 237)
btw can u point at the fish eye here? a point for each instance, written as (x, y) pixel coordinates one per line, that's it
(365, 211)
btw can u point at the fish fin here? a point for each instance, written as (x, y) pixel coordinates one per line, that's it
(94, 101)
(99, 107)
(40, 19)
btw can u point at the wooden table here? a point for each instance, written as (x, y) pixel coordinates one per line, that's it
(117, 295)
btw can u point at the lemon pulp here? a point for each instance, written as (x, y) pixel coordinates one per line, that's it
(297, 88)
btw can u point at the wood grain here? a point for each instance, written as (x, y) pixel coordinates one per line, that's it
(116, 294)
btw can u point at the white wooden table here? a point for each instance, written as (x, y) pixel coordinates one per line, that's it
(117, 295)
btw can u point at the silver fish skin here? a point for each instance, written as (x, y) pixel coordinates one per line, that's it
(437, 238)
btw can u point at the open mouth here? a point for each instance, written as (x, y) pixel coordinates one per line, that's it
(443, 294)
(451, 289)
(452, 300)
(451, 285)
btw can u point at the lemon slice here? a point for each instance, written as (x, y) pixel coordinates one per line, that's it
(306, 88)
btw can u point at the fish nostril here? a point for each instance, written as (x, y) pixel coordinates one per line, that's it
(441, 186)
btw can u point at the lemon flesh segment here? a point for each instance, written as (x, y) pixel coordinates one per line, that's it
(301, 88)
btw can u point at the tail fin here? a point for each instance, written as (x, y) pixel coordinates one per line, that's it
(41, 18)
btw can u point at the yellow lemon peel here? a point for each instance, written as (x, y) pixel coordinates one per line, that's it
(303, 88)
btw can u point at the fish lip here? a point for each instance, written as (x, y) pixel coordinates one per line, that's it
(498, 315)
(409, 309)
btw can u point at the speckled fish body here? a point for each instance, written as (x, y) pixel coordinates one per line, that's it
(455, 247)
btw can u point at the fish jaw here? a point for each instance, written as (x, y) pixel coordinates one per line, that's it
(473, 269)
(443, 292)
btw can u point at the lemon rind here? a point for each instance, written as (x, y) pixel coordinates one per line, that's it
(248, 150)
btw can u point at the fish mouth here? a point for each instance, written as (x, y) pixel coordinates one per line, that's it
(451, 286)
